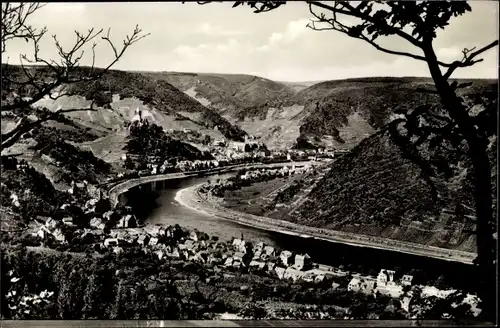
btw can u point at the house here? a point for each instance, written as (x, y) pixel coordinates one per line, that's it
(367, 286)
(240, 245)
(390, 289)
(153, 241)
(158, 230)
(190, 245)
(239, 256)
(407, 279)
(385, 276)
(111, 242)
(294, 274)
(127, 221)
(51, 223)
(335, 285)
(269, 251)
(354, 285)
(286, 258)
(302, 262)
(97, 223)
(201, 257)
(68, 221)
(174, 254)
(59, 236)
(257, 255)
(42, 232)
(117, 250)
(160, 254)
(270, 266)
(280, 272)
(238, 264)
(258, 247)
(121, 236)
(143, 240)
(229, 262)
(257, 265)
(197, 235)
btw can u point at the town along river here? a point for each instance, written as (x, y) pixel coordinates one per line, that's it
(155, 202)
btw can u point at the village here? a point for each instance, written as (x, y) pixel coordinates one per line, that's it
(105, 229)
(226, 153)
(236, 256)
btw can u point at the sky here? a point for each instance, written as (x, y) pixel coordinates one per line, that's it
(216, 38)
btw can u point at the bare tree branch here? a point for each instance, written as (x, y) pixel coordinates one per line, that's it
(24, 125)
(468, 58)
(349, 10)
(347, 30)
(41, 81)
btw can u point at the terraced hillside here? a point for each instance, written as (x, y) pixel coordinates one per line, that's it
(119, 93)
(376, 190)
(233, 95)
(335, 114)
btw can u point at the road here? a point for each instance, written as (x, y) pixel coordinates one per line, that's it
(123, 186)
(190, 197)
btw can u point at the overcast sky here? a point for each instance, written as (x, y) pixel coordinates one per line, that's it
(276, 45)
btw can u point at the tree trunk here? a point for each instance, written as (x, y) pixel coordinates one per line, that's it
(482, 185)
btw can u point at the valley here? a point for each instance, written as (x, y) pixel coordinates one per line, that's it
(150, 131)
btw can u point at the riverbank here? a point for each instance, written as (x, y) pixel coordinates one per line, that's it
(191, 197)
(123, 186)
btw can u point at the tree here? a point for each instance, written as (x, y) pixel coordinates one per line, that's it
(23, 86)
(467, 131)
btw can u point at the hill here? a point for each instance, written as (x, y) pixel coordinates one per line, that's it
(233, 95)
(337, 114)
(377, 190)
(299, 86)
(341, 113)
(119, 93)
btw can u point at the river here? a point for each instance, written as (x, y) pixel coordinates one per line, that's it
(155, 203)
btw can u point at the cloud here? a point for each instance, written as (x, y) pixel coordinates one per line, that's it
(449, 54)
(215, 30)
(293, 31)
(278, 45)
(61, 8)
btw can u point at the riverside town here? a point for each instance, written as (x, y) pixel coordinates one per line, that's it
(249, 160)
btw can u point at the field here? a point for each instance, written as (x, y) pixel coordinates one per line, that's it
(254, 198)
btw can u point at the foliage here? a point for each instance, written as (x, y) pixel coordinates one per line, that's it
(286, 195)
(417, 24)
(41, 198)
(155, 93)
(149, 140)
(77, 165)
(24, 86)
